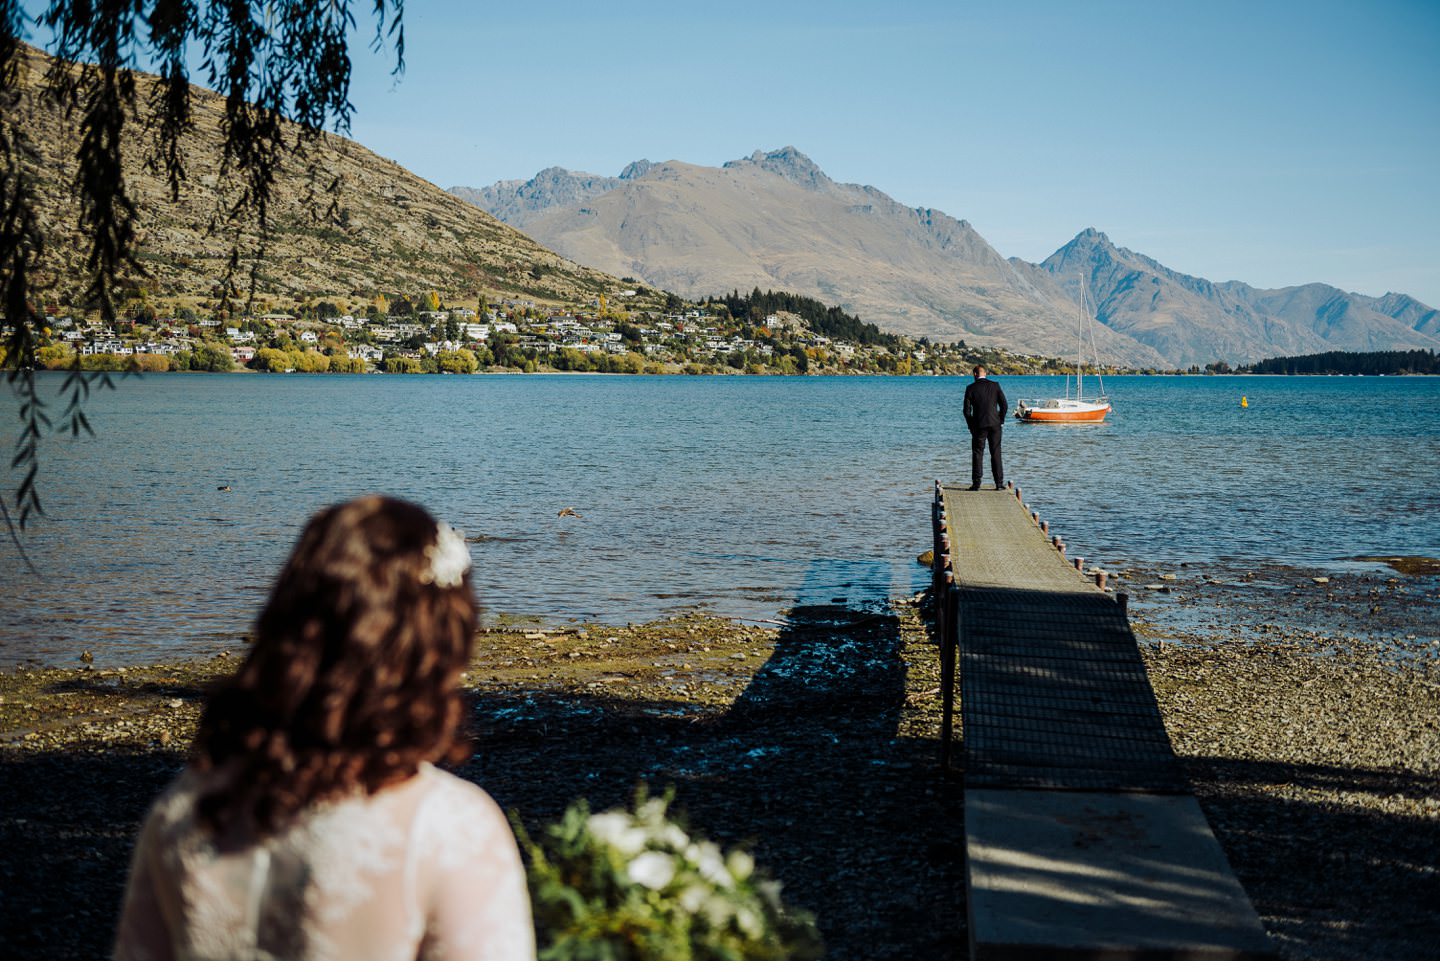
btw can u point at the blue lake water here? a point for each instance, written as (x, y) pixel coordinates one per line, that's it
(739, 496)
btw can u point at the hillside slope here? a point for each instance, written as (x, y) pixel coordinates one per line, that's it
(392, 231)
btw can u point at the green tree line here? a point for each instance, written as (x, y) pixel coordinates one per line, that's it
(833, 322)
(1414, 362)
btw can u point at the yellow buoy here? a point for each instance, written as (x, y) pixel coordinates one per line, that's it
(1244, 402)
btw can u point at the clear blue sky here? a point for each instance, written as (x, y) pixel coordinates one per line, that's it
(1272, 141)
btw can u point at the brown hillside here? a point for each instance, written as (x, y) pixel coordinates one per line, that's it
(392, 231)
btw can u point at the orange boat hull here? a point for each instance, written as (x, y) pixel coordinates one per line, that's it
(1065, 415)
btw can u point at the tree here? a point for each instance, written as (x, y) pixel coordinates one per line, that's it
(400, 366)
(345, 365)
(504, 348)
(572, 359)
(275, 61)
(310, 362)
(272, 359)
(212, 357)
(459, 362)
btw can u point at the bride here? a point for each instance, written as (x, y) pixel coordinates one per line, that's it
(311, 822)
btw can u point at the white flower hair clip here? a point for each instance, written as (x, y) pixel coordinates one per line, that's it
(449, 559)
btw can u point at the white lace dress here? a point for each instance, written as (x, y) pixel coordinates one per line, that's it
(427, 868)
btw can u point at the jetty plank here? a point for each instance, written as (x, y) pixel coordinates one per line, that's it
(1056, 874)
(1082, 838)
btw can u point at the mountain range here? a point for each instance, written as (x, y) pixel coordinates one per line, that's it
(1191, 320)
(775, 220)
(772, 220)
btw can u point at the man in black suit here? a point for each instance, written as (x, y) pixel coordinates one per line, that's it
(985, 409)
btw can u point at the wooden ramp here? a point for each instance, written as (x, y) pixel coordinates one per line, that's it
(1082, 838)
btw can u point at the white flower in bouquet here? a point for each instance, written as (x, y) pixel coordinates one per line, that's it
(617, 829)
(635, 885)
(653, 869)
(693, 897)
(707, 860)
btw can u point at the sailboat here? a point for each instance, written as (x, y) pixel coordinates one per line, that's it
(1079, 408)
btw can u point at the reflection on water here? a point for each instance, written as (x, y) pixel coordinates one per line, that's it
(738, 496)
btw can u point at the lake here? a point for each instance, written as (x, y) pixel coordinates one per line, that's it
(738, 496)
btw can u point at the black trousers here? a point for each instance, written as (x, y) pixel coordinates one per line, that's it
(978, 438)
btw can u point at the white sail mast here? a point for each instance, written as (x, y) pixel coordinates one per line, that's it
(1080, 346)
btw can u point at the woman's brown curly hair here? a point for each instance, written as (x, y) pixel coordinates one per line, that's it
(353, 680)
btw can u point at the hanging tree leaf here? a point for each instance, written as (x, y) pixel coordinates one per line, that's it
(275, 63)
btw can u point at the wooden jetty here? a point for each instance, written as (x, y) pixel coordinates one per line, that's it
(1082, 838)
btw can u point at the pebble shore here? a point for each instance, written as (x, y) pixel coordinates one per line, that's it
(1309, 725)
(1320, 776)
(1306, 709)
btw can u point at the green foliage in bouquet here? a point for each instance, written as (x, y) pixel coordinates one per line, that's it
(636, 885)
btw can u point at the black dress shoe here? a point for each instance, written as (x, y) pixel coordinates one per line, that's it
(998, 486)
(974, 489)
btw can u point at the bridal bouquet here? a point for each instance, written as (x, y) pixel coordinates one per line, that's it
(635, 885)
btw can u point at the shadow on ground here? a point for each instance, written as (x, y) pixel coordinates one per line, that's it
(1372, 888)
(805, 768)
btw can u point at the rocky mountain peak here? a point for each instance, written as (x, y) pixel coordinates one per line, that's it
(636, 169)
(788, 163)
(1090, 247)
(513, 201)
(1409, 311)
(567, 184)
(1090, 240)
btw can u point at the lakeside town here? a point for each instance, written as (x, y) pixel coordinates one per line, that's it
(756, 334)
(420, 335)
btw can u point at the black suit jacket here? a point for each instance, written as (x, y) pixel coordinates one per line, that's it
(985, 405)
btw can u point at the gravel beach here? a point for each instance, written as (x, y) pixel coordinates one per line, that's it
(1306, 709)
(1305, 713)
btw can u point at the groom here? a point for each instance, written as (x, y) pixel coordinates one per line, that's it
(985, 409)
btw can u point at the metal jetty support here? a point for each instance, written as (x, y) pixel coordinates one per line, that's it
(1082, 837)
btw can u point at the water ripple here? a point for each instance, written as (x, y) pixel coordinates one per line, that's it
(743, 496)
